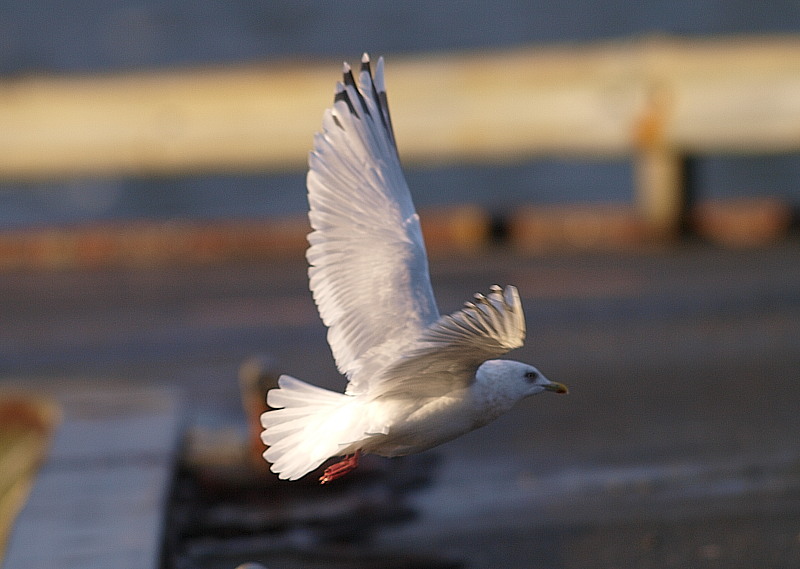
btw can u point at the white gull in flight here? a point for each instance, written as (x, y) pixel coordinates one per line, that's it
(415, 379)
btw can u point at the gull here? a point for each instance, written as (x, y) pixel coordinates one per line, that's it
(416, 379)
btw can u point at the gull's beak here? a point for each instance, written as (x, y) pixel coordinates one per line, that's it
(556, 387)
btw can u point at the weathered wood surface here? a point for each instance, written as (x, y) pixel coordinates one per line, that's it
(710, 95)
(447, 230)
(26, 426)
(99, 499)
(654, 99)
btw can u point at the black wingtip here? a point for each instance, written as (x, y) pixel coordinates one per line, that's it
(347, 73)
(341, 95)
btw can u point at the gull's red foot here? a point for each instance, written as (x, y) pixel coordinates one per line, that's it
(340, 468)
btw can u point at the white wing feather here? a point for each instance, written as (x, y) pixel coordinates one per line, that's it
(448, 353)
(368, 267)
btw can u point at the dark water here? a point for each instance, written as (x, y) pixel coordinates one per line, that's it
(85, 36)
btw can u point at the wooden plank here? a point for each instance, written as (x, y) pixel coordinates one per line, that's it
(26, 426)
(161, 122)
(99, 499)
(731, 95)
(473, 106)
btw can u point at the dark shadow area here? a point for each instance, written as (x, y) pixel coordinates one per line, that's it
(230, 513)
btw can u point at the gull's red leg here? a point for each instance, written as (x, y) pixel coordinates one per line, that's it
(340, 468)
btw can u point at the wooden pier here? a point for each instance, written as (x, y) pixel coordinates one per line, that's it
(656, 100)
(99, 499)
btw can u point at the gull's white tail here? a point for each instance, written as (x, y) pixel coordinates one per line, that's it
(308, 425)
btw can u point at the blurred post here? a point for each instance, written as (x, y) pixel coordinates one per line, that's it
(658, 167)
(256, 376)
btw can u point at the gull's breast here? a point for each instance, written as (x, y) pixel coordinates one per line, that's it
(422, 424)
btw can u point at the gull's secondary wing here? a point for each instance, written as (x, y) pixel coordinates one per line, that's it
(448, 353)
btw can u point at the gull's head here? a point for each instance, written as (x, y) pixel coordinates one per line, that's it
(512, 380)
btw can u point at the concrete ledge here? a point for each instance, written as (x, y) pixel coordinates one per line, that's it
(456, 229)
(448, 229)
(99, 499)
(152, 243)
(588, 227)
(743, 222)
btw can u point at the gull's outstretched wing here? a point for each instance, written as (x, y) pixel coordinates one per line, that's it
(368, 268)
(448, 352)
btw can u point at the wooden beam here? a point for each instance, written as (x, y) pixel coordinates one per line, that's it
(729, 95)
(176, 122)
(447, 107)
(739, 95)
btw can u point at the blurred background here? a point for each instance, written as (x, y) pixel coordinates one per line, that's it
(632, 167)
(81, 39)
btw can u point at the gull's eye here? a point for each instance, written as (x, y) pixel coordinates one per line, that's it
(531, 375)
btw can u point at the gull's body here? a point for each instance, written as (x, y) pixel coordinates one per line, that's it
(415, 379)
